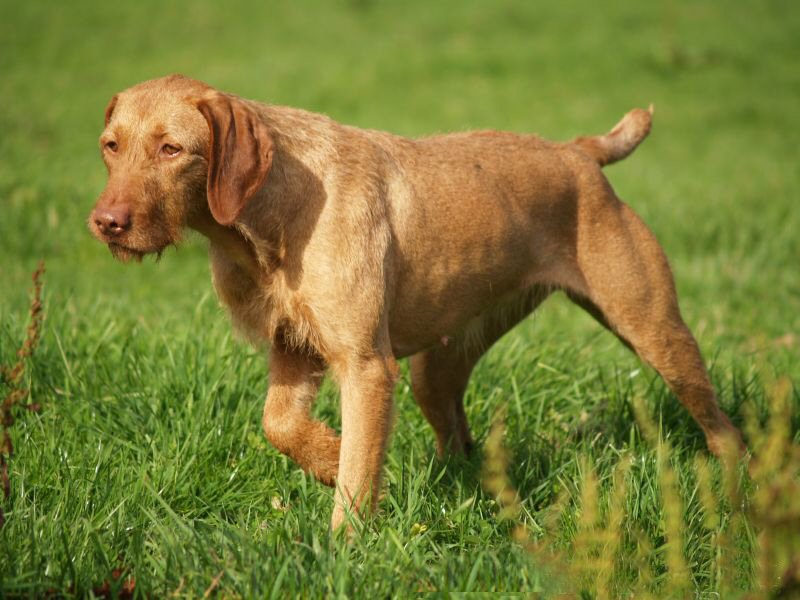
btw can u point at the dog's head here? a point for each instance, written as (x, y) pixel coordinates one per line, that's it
(175, 150)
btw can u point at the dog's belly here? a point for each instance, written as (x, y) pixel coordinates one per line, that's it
(454, 283)
(466, 328)
(435, 300)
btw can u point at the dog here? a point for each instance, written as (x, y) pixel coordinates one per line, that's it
(343, 249)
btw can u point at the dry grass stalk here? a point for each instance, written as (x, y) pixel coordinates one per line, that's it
(612, 532)
(496, 481)
(774, 509)
(586, 562)
(678, 573)
(12, 378)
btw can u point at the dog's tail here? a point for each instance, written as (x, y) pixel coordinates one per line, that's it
(620, 141)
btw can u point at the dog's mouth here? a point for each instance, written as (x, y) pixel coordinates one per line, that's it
(126, 254)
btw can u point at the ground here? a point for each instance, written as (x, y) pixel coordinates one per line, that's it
(147, 453)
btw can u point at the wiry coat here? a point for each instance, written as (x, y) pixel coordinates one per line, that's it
(344, 249)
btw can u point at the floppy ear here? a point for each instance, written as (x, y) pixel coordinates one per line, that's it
(239, 155)
(110, 109)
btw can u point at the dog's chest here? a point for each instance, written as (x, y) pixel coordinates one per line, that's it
(261, 310)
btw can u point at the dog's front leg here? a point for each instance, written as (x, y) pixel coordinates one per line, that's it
(294, 381)
(366, 384)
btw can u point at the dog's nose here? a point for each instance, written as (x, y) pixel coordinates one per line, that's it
(112, 221)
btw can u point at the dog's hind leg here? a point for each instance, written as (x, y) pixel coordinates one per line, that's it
(439, 375)
(294, 381)
(439, 378)
(629, 288)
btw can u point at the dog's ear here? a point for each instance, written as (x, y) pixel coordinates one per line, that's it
(110, 109)
(239, 154)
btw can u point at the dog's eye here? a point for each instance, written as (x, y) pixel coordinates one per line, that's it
(110, 145)
(170, 150)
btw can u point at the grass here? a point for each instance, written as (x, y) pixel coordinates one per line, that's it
(147, 455)
(748, 518)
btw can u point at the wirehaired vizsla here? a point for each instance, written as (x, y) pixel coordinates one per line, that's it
(345, 249)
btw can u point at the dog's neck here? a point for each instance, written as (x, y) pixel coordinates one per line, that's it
(230, 241)
(284, 209)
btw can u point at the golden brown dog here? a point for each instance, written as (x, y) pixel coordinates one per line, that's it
(345, 249)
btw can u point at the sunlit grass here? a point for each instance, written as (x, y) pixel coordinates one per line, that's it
(146, 461)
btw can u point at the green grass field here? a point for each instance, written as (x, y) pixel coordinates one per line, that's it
(147, 453)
